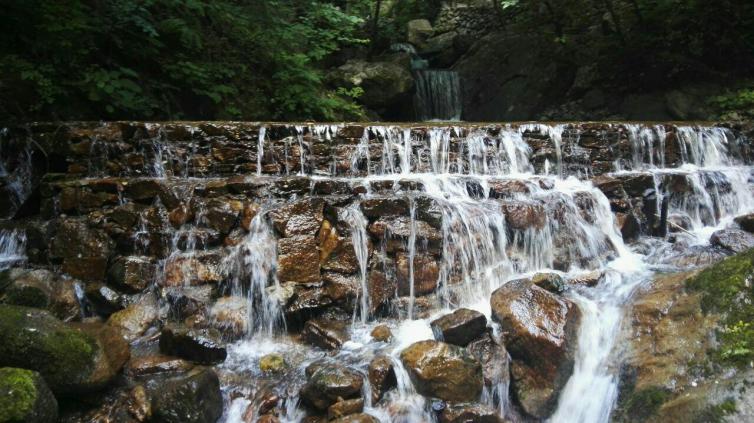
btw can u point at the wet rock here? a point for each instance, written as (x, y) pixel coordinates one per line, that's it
(426, 272)
(549, 281)
(589, 279)
(345, 408)
(382, 289)
(342, 289)
(734, 240)
(630, 226)
(185, 301)
(337, 252)
(695, 256)
(542, 330)
(610, 186)
(143, 190)
(746, 222)
(326, 334)
(459, 327)
(84, 251)
(679, 223)
(105, 300)
(522, 215)
(357, 418)
(396, 231)
(386, 84)
(494, 359)
(376, 207)
(230, 315)
(131, 273)
(381, 376)
(329, 383)
(443, 371)
(302, 217)
(637, 184)
(272, 363)
(298, 259)
(33, 288)
(500, 188)
(198, 268)
(135, 319)
(25, 397)
(301, 301)
(180, 215)
(192, 398)
(199, 345)
(157, 364)
(72, 359)
(464, 413)
(381, 333)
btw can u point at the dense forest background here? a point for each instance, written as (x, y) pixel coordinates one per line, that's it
(284, 59)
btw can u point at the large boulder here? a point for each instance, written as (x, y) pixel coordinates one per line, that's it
(385, 83)
(42, 289)
(191, 398)
(131, 273)
(733, 240)
(459, 327)
(25, 397)
(72, 359)
(542, 330)
(418, 31)
(135, 319)
(328, 383)
(381, 374)
(443, 371)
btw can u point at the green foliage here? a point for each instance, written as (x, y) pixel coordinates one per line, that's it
(739, 104)
(727, 289)
(168, 59)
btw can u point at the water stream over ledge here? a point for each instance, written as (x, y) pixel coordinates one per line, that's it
(377, 225)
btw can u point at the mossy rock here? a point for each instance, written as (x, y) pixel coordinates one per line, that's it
(272, 363)
(25, 397)
(727, 290)
(70, 359)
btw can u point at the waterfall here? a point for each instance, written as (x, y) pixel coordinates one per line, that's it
(12, 248)
(402, 225)
(438, 95)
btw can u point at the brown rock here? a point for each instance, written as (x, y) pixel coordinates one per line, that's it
(426, 273)
(330, 383)
(522, 215)
(469, 413)
(302, 217)
(132, 273)
(381, 376)
(345, 408)
(443, 371)
(326, 334)
(376, 207)
(199, 345)
(153, 364)
(230, 316)
(459, 327)
(197, 268)
(135, 319)
(298, 259)
(542, 330)
(357, 418)
(381, 333)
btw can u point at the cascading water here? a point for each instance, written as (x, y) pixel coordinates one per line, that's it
(12, 248)
(469, 209)
(438, 95)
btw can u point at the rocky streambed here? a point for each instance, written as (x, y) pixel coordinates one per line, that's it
(201, 272)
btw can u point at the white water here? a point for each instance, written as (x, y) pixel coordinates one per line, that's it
(12, 248)
(481, 250)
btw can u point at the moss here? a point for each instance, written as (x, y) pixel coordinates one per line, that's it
(29, 296)
(640, 405)
(33, 339)
(716, 413)
(18, 394)
(4, 280)
(727, 289)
